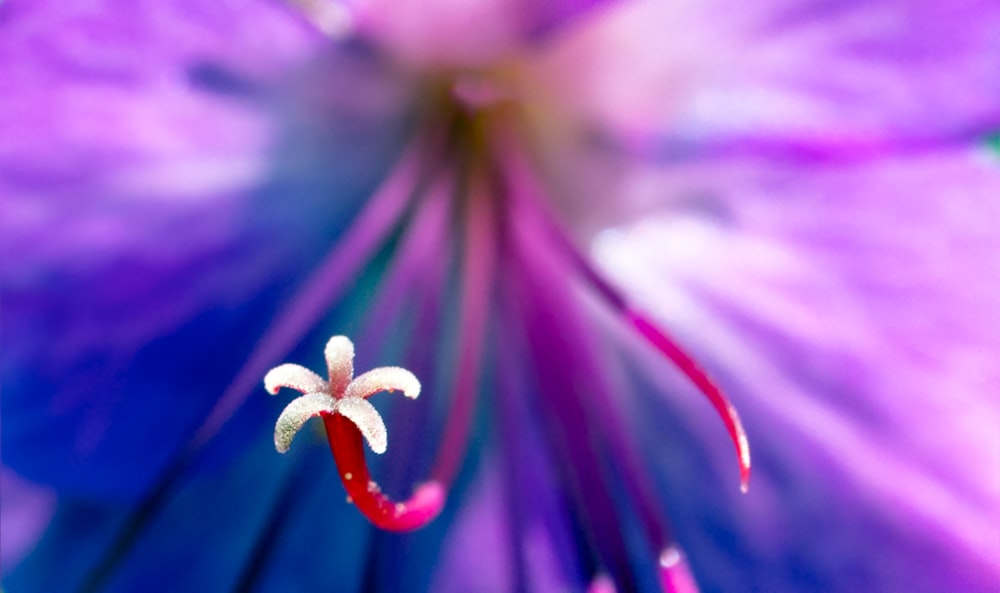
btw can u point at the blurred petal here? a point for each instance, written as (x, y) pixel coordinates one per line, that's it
(165, 119)
(851, 312)
(25, 510)
(483, 528)
(240, 499)
(445, 33)
(110, 151)
(125, 91)
(683, 78)
(296, 560)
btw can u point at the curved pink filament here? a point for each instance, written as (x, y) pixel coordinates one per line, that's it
(518, 168)
(675, 576)
(348, 452)
(659, 340)
(479, 259)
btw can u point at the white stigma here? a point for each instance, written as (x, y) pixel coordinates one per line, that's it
(340, 395)
(294, 377)
(367, 419)
(384, 379)
(295, 415)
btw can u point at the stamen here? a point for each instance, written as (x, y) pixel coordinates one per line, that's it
(598, 396)
(476, 276)
(701, 380)
(638, 321)
(675, 576)
(540, 296)
(415, 266)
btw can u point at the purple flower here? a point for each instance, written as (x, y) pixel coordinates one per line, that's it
(520, 203)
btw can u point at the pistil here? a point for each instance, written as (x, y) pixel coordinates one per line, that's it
(342, 402)
(348, 452)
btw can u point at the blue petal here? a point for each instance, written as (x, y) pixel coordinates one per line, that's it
(139, 281)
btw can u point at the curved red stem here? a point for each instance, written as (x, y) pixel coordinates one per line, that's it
(659, 340)
(347, 446)
(536, 213)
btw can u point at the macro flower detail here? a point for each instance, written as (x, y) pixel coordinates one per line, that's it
(342, 402)
(592, 228)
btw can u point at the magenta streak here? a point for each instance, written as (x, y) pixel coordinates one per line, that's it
(705, 384)
(478, 263)
(515, 432)
(541, 299)
(427, 263)
(421, 245)
(675, 576)
(536, 240)
(654, 335)
(602, 584)
(364, 235)
(420, 250)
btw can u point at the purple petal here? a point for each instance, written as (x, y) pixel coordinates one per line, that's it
(677, 79)
(482, 528)
(851, 312)
(444, 33)
(118, 88)
(25, 510)
(145, 253)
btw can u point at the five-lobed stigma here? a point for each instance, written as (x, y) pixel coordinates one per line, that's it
(341, 401)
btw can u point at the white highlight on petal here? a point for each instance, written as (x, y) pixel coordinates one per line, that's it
(339, 354)
(333, 18)
(295, 415)
(367, 419)
(384, 379)
(670, 557)
(295, 377)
